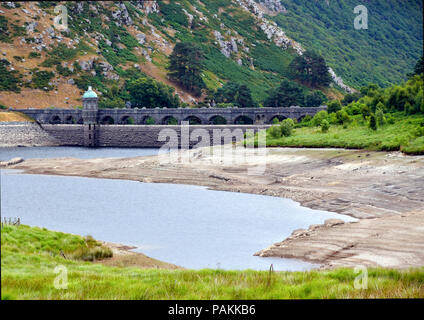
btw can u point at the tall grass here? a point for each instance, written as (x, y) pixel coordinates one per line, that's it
(29, 256)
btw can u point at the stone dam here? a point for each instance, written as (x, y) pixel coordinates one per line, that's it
(150, 128)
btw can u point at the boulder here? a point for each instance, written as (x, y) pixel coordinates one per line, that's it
(86, 65)
(121, 16)
(141, 38)
(31, 27)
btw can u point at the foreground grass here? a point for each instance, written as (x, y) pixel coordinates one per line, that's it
(402, 135)
(29, 257)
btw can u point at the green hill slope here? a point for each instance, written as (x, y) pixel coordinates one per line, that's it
(382, 54)
(110, 43)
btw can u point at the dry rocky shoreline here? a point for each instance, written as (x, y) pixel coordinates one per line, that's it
(383, 190)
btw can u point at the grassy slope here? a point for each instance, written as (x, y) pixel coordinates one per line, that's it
(382, 54)
(398, 136)
(29, 256)
(271, 63)
(13, 116)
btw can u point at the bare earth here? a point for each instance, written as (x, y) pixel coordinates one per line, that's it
(124, 257)
(383, 190)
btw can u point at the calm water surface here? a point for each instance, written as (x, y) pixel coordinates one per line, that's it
(186, 225)
(74, 152)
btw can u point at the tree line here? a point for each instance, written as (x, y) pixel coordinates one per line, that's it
(309, 69)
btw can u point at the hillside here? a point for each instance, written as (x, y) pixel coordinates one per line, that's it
(109, 44)
(382, 54)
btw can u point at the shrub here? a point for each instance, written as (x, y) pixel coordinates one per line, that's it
(373, 122)
(41, 79)
(342, 117)
(63, 71)
(149, 93)
(89, 250)
(351, 97)
(116, 102)
(305, 122)
(325, 125)
(9, 80)
(59, 54)
(365, 111)
(419, 131)
(286, 127)
(390, 119)
(275, 131)
(33, 55)
(150, 121)
(224, 105)
(354, 109)
(238, 94)
(381, 120)
(4, 32)
(334, 106)
(317, 119)
(332, 118)
(314, 99)
(288, 94)
(18, 58)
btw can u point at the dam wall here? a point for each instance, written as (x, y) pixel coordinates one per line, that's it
(148, 136)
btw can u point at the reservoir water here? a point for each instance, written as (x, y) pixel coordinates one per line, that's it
(73, 152)
(189, 226)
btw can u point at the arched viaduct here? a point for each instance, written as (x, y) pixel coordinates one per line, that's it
(203, 116)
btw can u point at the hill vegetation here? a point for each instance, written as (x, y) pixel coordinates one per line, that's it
(376, 118)
(126, 41)
(108, 45)
(380, 54)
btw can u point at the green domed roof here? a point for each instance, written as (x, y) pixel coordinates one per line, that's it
(89, 93)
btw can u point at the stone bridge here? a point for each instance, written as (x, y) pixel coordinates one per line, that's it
(201, 116)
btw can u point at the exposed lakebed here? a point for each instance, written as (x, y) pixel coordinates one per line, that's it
(189, 226)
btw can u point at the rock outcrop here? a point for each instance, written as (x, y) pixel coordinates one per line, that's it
(121, 15)
(277, 35)
(273, 5)
(227, 47)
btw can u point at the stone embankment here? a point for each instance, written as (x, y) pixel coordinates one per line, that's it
(25, 134)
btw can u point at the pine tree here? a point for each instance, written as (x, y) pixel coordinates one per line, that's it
(310, 68)
(238, 94)
(186, 65)
(286, 95)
